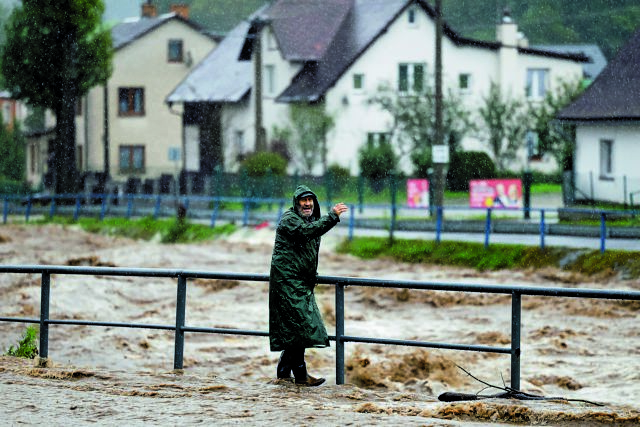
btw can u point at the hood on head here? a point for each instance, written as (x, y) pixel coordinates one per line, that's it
(303, 190)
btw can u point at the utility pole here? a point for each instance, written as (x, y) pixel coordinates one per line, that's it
(260, 134)
(440, 151)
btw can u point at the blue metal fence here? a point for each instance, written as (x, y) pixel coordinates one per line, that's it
(381, 216)
(340, 284)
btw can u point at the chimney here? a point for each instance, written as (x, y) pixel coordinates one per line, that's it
(181, 10)
(149, 10)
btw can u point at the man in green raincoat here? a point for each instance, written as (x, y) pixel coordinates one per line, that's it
(295, 322)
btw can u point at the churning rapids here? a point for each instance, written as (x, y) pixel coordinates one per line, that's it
(572, 348)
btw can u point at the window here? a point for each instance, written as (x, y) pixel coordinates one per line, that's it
(175, 51)
(238, 142)
(358, 81)
(270, 79)
(33, 159)
(537, 83)
(131, 158)
(411, 16)
(131, 101)
(411, 77)
(606, 158)
(464, 82)
(533, 146)
(377, 138)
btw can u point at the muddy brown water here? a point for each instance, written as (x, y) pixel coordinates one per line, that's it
(572, 348)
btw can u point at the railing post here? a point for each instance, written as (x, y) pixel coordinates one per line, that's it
(156, 210)
(103, 206)
(438, 223)
(516, 306)
(76, 212)
(245, 216)
(27, 211)
(352, 213)
(45, 287)
(214, 213)
(339, 333)
(52, 210)
(181, 302)
(129, 205)
(542, 229)
(603, 231)
(487, 229)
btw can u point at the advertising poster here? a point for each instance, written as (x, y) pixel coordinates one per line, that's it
(418, 193)
(495, 193)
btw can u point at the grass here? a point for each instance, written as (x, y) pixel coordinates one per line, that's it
(27, 346)
(496, 257)
(147, 228)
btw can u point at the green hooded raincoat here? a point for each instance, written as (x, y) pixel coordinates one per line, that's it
(294, 318)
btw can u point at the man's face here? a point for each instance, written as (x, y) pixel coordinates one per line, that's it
(305, 206)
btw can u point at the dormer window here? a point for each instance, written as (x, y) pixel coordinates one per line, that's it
(175, 51)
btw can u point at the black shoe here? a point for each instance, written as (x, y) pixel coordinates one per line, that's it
(283, 370)
(302, 378)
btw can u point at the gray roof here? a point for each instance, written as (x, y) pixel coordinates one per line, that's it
(615, 94)
(132, 29)
(221, 76)
(597, 59)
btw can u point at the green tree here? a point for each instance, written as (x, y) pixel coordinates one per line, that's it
(310, 126)
(12, 153)
(55, 52)
(555, 137)
(414, 125)
(503, 124)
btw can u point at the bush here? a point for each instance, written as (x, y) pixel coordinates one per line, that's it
(264, 163)
(339, 176)
(27, 347)
(468, 165)
(377, 161)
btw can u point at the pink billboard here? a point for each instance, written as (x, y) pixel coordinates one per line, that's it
(418, 193)
(495, 193)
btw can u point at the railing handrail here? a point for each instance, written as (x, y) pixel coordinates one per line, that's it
(340, 284)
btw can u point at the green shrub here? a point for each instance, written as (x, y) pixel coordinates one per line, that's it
(468, 165)
(27, 347)
(377, 161)
(264, 163)
(339, 176)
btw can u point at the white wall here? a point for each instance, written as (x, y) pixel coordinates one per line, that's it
(625, 172)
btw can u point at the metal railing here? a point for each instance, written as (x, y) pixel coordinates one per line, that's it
(340, 284)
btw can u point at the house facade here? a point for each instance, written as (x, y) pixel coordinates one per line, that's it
(607, 119)
(124, 128)
(337, 53)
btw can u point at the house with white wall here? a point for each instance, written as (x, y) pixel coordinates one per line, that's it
(607, 119)
(339, 52)
(124, 128)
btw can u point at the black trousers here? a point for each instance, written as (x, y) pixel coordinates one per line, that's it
(294, 356)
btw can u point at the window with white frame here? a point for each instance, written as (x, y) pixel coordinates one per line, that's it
(411, 77)
(175, 50)
(606, 158)
(377, 138)
(537, 83)
(270, 79)
(358, 82)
